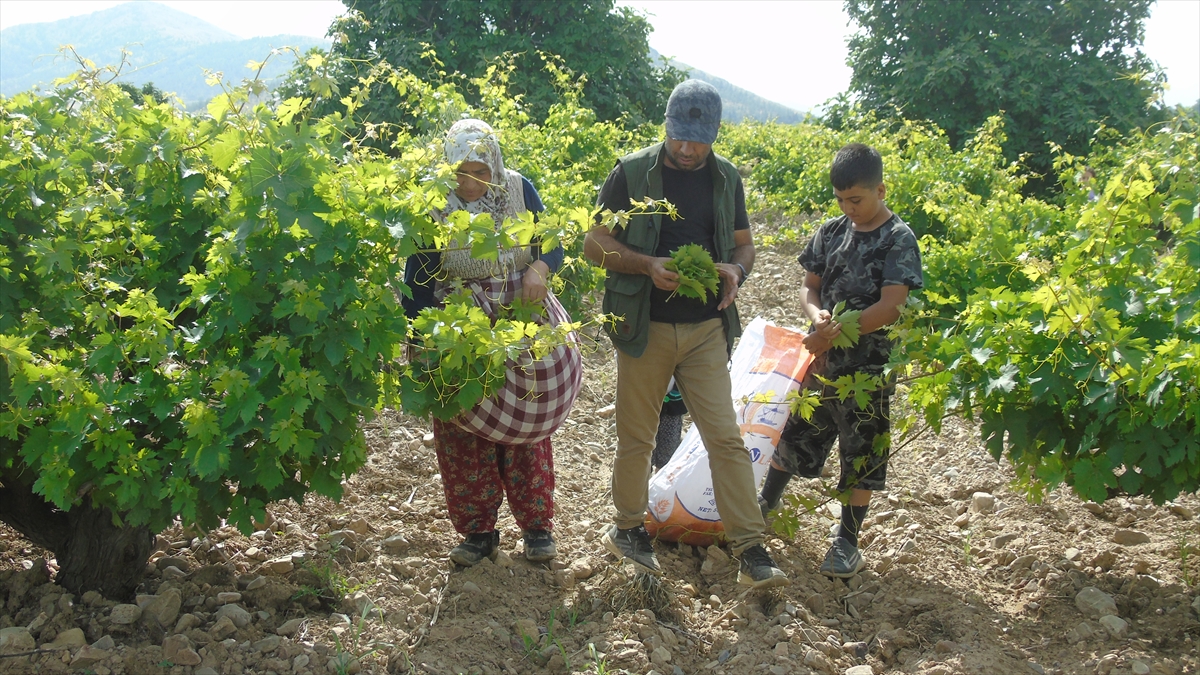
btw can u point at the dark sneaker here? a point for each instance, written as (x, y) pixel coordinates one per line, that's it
(633, 545)
(758, 570)
(476, 547)
(539, 545)
(843, 560)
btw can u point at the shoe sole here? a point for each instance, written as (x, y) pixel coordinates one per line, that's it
(845, 575)
(775, 581)
(615, 550)
(541, 557)
(461, 562)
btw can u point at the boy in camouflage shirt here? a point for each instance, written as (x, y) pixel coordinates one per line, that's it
(868, 259)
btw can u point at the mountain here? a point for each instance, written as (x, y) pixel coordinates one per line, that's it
(738, 104)
(168, 47)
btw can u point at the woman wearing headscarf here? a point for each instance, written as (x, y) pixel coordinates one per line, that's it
(502, 446)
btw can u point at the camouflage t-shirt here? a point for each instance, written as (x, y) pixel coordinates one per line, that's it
(854, 266)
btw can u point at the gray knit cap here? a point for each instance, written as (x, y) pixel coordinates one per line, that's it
(694, 112)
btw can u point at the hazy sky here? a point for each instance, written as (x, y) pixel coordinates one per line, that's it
(790, 52)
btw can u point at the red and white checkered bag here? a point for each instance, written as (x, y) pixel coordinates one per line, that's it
(537, 394)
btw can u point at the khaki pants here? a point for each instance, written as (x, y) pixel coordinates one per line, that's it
(695, 353)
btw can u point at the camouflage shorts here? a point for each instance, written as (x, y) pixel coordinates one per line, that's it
(863, 435)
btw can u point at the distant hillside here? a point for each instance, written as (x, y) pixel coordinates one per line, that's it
(168, 47)
(737, 103)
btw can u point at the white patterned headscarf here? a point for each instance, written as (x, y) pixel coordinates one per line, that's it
(474, 140)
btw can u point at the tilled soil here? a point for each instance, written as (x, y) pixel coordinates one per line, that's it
(964, 575)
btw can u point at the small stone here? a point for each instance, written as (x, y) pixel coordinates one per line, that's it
(163, 608)
(661, 656)
(290, 627)
(171, 561)
(282, 565)
(267, 644)
(359, 526)
(87, 657)
(945, 647)
(175, 644)
(1139, 667)
(503, 559)
(781, 649)
(607, 411)
(72, 638)
(106, 643)
(300, 662)
(1196, 605)
(1095, 603)
(1035, 667)
(123, 615)
(818, 661)
(564, 579)
(471, 587)
(1115, 625)
(223, 627)
(983, 502)
(395, 544)
(186, 623)
(1130, 538)
(1071, 554)
(1022, 562)
(860, 670)
(236, 614)
(92, 598)
(187, 657)
(256, 583)
(1094, 508)
(962, 521)
(1183, 512)
(172, 573)
(204, 670)
(16, 639)
(999, 541)
(229, 597)
(582, 568)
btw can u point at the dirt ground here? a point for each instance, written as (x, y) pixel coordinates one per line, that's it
(963, 576)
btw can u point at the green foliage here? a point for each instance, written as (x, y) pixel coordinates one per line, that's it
(198, 312)
(698, 274)
(189, 302)
(606, 47)
(848, 337)
(1079, 346)
(1053, 69)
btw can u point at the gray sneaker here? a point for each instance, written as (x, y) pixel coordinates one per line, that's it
(757, 570)
(476, 547)
(843, 560)
(632, 545)
(539, 546)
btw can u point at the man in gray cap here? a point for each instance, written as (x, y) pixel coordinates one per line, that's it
(659, 335)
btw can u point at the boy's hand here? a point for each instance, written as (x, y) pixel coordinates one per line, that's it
(816, 344)
(826, 327)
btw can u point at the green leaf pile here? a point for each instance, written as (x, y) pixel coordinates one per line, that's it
(849, 320)
(697, 273)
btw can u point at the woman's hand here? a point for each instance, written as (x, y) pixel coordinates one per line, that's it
(533, 282)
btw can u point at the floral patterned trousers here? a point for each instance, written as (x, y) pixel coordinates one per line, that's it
(476, 474)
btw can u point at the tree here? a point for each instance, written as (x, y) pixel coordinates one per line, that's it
(606, 44)
(1055, 67)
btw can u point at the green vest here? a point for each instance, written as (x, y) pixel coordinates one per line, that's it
(627, 296)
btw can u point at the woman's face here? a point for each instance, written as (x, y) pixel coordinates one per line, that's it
(473, 180)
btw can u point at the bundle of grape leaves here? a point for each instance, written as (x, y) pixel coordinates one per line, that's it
(849, 320)
(697, 273)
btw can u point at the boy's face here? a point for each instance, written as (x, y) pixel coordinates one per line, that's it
(861, 203)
